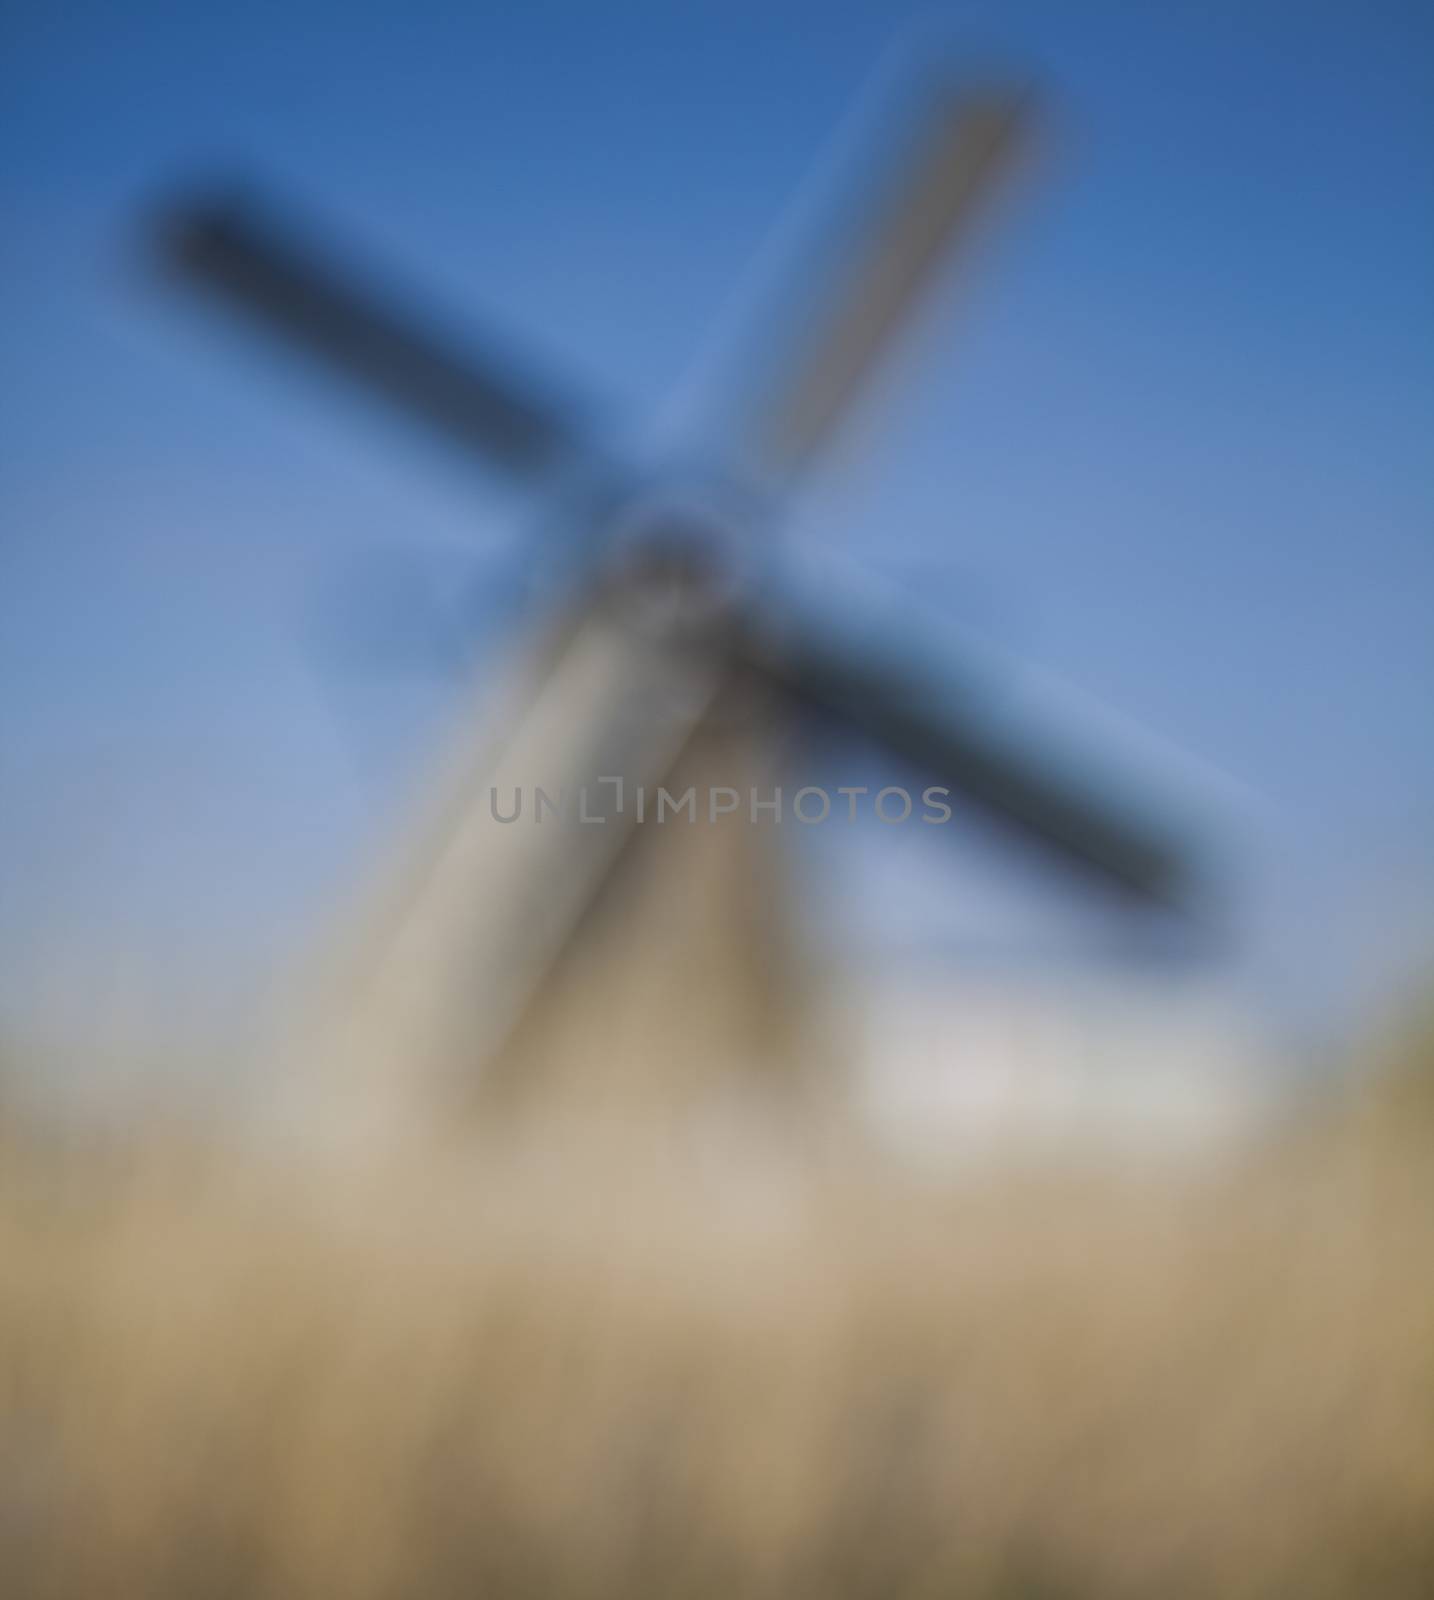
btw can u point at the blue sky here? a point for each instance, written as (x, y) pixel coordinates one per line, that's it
(1170, 444)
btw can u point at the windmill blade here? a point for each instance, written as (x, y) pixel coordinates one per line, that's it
(479, 913)
(1077, 821)
(960, 147)
(472, 395)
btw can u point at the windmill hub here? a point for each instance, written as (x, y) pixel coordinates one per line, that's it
(675, 568)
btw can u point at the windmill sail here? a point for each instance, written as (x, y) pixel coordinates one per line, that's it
(475, 397)
(867, 286)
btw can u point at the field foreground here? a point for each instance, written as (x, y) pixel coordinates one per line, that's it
(563, 1368)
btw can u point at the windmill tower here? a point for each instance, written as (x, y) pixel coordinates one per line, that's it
(556, 920)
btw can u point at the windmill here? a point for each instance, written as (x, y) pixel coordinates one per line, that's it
(664, 654)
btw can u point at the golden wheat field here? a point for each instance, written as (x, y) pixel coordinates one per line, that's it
(543, 1368)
